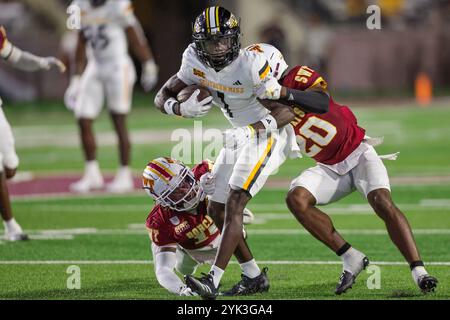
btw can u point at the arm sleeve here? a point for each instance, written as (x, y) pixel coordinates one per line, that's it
(307, 89)
(309, 101)
(25, 61)
(164, 269)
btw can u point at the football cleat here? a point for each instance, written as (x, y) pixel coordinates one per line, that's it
(248, 286)
(203, 286)
(122, 183)
(427, 283)
(347, 279)
(13, 236)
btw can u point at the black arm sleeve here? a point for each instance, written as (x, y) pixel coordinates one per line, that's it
(309, 101)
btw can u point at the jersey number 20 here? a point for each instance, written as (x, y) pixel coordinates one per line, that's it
(318, 141)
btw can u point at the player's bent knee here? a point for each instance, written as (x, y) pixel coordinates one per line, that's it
(299, 200)
(382, 203)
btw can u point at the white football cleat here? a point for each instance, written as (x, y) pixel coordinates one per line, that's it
(92, 179)
(13, 231)
(122, 183)
(87, 183)
(16, 236)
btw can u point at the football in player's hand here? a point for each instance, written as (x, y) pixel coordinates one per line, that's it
(186, 93)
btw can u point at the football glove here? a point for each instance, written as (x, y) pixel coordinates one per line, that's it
(72, 92)
(192, 108)
(149, 76)
(269, 89)
(208, 183)
(49, 62)
(237, 137)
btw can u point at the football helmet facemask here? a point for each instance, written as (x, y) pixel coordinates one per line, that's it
(172, 184)
(216, 34)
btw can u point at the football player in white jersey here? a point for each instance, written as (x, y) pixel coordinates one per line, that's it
(8, 158)
(215, 60)
(105, 69)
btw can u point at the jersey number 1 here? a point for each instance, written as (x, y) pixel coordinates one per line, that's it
(221, 96)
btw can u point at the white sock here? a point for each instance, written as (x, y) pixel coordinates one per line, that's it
(92, 166)
(12, 226)
(216, 273)
(250, 269)
(352, 260)
(417, 272)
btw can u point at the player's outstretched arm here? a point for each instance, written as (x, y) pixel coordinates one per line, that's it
(280, 115)
(165, 261)
(24, 60)
(313, 101)
(139, 45)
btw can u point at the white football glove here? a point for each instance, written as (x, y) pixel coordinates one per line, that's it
(237, 137)
(269, 89)
(192, 108)
(72, 92)
(149, 76)
(208, 183)
(49, 62)
(187, 292)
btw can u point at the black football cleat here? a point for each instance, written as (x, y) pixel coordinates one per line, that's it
(427, 283)
(248, 286)
(203, 286)
(347, 279)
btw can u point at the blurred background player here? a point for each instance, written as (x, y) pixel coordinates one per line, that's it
(104, 68)
(8, 158)
(182, 234)
(346, 161)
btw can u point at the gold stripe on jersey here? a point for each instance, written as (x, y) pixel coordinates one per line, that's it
(220, 87)
(264, 71)
(259, 166)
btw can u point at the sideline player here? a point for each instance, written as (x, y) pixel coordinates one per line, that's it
(346, 161)
(8, 158)
(182, 234)
(215, 60)
(105, 69)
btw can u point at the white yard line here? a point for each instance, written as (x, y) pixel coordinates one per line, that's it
(68, 234)
(261, 262)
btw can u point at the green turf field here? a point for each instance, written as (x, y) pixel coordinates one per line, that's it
(105, 237)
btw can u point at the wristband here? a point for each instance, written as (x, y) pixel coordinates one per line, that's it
(169, 105)
(269, 122)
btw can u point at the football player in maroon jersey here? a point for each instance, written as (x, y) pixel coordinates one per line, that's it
(182, 234)
(346, 161)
